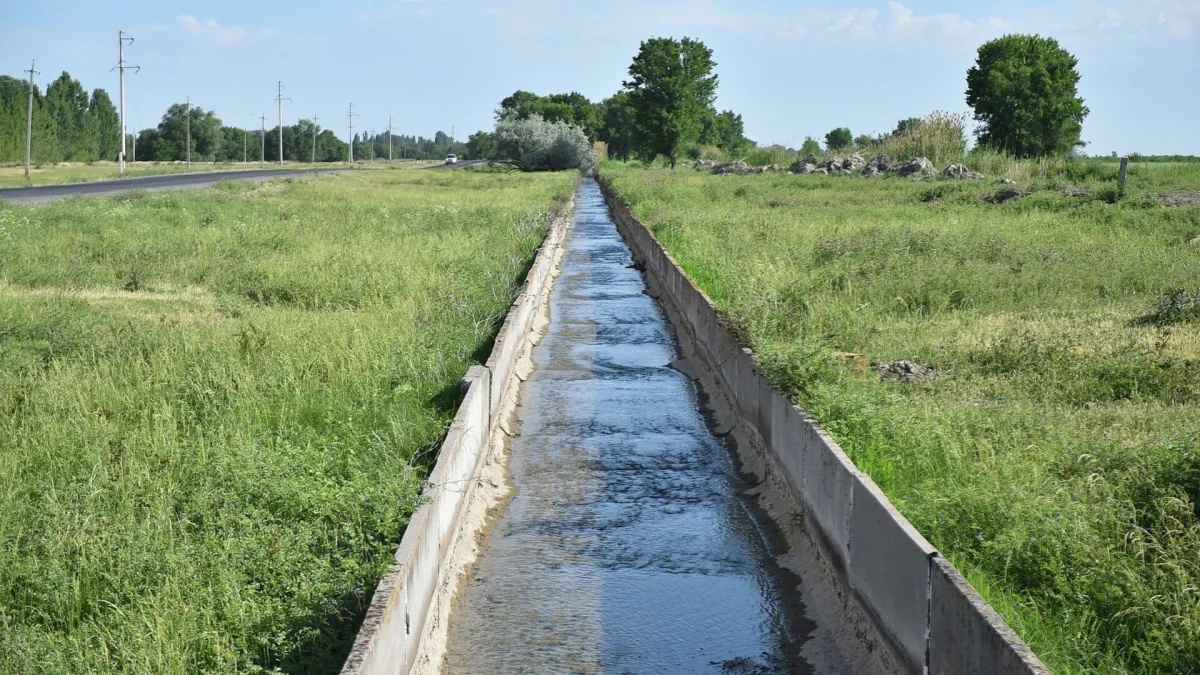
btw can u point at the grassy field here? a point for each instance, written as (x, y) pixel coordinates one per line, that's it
(1053, 452)
(14, 176)
(217, 407)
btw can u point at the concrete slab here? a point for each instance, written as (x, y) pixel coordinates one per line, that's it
(889, 569)
(967, 636)
(786, 440)
(828, 493)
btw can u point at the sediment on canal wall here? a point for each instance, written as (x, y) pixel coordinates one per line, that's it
(929, 618)
(405, 626)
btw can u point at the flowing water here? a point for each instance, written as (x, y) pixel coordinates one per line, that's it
(628, 546)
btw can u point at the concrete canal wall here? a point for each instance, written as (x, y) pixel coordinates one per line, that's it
(931, 619)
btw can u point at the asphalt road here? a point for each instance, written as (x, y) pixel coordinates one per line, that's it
(462, 164)
(172, 181)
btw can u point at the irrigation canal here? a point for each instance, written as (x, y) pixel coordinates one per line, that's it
(629, 545)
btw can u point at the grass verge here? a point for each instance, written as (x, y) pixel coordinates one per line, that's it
(217, 407)
(1051, 445)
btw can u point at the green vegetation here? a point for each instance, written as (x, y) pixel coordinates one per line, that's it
(68, 125)
(217, 407)
(1024, 89)
(671, 87)
(14, 176)
(838, 139)
(1054, 452)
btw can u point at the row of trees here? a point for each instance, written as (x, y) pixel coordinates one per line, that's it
(665, 108)
(68, 123)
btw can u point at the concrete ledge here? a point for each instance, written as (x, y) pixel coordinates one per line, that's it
(966, 636)
(889, 569)
(929, 616)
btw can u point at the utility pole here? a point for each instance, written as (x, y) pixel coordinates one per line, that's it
(133, 139)
(389, 139)
(188, 103)
(314, 155)
(262, 158)
(280, 98)
(29, 120)
(121, 40)
(351, 116)
(372, 146)
(245, 143)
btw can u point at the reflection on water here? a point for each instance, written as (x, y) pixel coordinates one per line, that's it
(627, 547)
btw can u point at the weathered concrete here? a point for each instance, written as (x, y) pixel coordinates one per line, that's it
(930, 619)
(966, 636)
(889, 569)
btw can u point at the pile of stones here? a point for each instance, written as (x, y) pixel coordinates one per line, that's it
(918, 168)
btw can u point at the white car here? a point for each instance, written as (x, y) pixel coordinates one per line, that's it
(452, 159)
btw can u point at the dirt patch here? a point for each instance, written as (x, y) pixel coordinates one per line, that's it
(1181, 198)
(904, 371)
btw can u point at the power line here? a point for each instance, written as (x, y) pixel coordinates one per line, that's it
(262, 158)
(121, 40)
(280, 98)
(29, 119)
(314, 155)
(352, 115)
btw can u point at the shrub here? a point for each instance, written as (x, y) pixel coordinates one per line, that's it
(939, 136)
(537, 145)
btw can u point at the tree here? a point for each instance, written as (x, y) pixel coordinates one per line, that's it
(811, 147)
(838, 138)
(671, 88)
(67, 103)
(1023, 89)
(521, 105)
(171, 144)
(481, 145)
(537, 145)
(905, 125)
(724, 130)
(103, 127)
(617, 130)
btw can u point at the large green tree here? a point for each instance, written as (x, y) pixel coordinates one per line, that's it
(1023, 89)
(481, 145)
(67, 102)
(671, 88)
(617, 128)
(724, 130)
(103, 127)
(838, 139)
(206, 135)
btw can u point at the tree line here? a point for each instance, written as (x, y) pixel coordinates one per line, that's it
(664, 110)
(69, 125)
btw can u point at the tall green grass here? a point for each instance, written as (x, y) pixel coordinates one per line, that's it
(1055, 456)
(217, 407)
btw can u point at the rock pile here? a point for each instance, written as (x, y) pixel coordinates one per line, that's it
(917, 165)
(961, 172)
(878, 164)
(903, 371)
(740, 168)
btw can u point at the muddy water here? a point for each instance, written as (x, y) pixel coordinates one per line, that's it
(628, 546)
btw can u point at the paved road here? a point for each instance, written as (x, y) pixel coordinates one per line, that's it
(462, 164)
(172, 181)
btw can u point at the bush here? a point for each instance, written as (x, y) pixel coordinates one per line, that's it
(537, 145)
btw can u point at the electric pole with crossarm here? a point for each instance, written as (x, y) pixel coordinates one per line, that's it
(314, 155)
(29, 120)
(351, 144)
(121, 40)
(280, 98)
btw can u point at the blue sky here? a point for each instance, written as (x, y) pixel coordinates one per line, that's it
(790, 68)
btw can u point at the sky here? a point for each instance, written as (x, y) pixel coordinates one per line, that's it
(790, 68)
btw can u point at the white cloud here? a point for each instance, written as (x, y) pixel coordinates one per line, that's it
(708, 14)
(211, 30)
(857, 24)
(905, 23)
